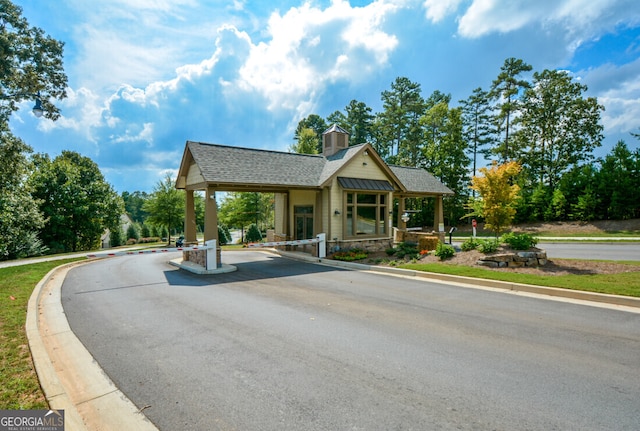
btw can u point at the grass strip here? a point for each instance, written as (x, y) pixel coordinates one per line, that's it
(626, 283)
(19, 385)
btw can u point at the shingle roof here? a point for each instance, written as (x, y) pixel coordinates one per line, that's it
(231, 165)
(245, 167)
(418, 180)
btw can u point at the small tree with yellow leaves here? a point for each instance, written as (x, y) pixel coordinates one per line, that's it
(497, 195)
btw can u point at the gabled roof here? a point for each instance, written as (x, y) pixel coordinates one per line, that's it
(243, 168)
(235, 169)
(419, 181)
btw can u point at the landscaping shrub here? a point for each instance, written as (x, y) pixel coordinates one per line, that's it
(115, 236)
(351, 255)
(407, 249)
(150, 239)
(444, 251)
(224, 236)
(391, 251)
(132, 232)
(519, 241)
(488, 245)
(253, 234)
(470, 244)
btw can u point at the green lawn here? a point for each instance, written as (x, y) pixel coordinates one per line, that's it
(19, 386)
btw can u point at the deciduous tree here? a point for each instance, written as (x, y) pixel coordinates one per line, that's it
(166, 206)
(30, 64)
(79, 205)
(315, 123)
(307, 142)
(558, 127)
(498, 195)
(20, 216)
(30, 67)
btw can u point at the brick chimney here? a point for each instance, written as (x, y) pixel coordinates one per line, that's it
(334, 139)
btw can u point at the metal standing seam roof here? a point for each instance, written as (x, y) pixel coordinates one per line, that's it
(365, 184)
(222, 164)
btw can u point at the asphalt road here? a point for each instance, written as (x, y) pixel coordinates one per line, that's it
(591, 250)
(285, 345)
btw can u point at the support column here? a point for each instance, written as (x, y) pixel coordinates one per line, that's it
(211, 221)
(190, 219)
(401, 209)
(438, 222)
(400, 234)
(210, 215)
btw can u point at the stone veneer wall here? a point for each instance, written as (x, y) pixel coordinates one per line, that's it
(372, 246)
(199, 257)
(516, 259)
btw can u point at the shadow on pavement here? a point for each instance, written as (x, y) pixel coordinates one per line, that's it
(251, 266)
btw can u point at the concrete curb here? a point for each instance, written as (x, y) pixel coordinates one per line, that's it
(618, 300)
(70, 378)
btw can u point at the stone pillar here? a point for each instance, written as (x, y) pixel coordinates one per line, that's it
(190, 219)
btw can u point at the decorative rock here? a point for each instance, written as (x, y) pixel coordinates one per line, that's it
(489, 263)
(527, 254)
(517, 259)
(501, 258)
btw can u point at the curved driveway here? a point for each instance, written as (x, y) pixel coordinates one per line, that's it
(286, 345)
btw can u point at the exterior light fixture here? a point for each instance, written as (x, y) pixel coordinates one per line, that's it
(37, 108)
(336, 212)
(405, 217)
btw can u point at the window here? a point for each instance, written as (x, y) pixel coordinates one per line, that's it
(366, 214)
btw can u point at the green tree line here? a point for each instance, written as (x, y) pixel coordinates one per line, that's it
(541, 120)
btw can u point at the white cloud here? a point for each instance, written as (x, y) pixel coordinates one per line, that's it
(309, 47)
(575, 20)
(438, 9)
(618, 90)
(142, 135)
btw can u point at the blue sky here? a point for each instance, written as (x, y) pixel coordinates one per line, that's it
(145, 76)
